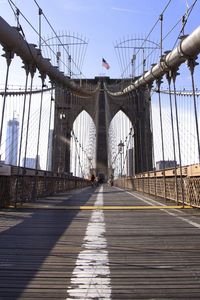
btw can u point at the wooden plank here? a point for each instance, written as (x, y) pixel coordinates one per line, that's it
(153, 253)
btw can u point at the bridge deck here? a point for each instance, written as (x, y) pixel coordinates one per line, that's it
(55, 249)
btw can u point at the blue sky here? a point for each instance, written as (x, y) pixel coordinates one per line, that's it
(103, 23)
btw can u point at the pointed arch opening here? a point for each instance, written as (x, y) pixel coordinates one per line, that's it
(83, 146)
(121, 145)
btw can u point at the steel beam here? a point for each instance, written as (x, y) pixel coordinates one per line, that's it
(188, 47)
(12, 40)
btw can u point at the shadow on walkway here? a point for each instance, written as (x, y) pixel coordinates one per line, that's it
(28, 236)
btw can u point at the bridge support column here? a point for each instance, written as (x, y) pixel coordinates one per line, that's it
(67, 151)
(101, 137)
(142, 133)
(61, 150)
(61, 135)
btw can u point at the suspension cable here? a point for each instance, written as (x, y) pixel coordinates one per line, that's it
(42, 39)
(77, 152)
(174, 74)
(22, 130)
(159, 81)
(39, 122)
(50, 115)
(157, 21)
(57, 35)
(129, 136)
(8, 55)
(173, 134)
(23, 115)
(191, 64)
(32, 71)
(185, 22)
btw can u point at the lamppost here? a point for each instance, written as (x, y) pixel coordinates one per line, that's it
(90, 158)
(120, 151)
(133, 59)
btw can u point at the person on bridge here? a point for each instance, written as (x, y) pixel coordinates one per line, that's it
(111, 179)
(92, 179)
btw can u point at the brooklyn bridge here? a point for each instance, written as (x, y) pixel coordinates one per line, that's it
(99, 176)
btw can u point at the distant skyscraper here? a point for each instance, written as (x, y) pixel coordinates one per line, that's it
(12, 137)
(165, 164)
(30, 162)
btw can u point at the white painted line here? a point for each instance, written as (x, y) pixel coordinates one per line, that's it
(145, 201)
(195, 224)
(149, 201)
(91, 276)
(173, 212)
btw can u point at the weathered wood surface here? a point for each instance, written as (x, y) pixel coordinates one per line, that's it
(153, 254)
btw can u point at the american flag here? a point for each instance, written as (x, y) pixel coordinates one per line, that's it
(105, 64)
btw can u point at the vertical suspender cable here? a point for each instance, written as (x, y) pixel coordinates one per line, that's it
(60, 123)
(141, 150)
(34, 192)
(78, 155)
(161, 132)
(39, 124)
(146, 161)
(191, 65)
(40, 26)
(82, 133)
(23, 115)
(81, 138)
(174, 74)
(83, 145)
(146, 141)
(151, 126)
(140, 140)
(78, 148)
(49, 137)
(22, 131)
(8, 55)
(127, 140)
(122, 136)
(161, 34)
(32, 71)
(173, 135)
(75, 156)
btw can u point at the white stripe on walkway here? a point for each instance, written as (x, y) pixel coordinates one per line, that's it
(175, 213)
(91, 276)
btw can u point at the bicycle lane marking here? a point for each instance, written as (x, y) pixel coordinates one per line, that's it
(173, 214)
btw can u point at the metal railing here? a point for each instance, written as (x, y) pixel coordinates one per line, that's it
(28, 186)
(168, 188)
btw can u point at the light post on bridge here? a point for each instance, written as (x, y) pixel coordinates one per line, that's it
(120, 151)
(133, 59)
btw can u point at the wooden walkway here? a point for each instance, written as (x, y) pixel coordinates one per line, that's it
(101, 243)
